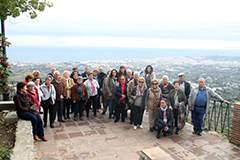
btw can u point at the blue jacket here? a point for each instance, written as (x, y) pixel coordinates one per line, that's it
(118, 93)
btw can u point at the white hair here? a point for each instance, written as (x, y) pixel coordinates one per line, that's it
(201, 79)
(136, 73)
(165, 76)
(56, 72)
(129, 70)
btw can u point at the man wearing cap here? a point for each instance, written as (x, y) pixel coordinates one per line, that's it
(75, 69)
(199, 101)
(184, 86)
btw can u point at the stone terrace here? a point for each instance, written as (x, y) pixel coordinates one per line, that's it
(102, 139)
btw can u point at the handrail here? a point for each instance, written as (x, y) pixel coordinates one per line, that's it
(219, 117)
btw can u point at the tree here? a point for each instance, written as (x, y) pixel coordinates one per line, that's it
(14, 8)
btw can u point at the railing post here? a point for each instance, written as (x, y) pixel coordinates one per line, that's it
(236, 124)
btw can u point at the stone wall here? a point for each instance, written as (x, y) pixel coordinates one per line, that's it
(235, 137)
(24, 145)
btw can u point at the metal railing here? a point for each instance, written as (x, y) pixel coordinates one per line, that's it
(219, 117)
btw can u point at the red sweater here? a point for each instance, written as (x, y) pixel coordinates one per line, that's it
(33, 98)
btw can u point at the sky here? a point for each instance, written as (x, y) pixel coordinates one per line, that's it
(78, 29)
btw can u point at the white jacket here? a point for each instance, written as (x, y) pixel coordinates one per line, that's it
(90, 89)
(48, 93)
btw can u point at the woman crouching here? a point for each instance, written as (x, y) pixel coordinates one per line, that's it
(164, 118)
(26, 111)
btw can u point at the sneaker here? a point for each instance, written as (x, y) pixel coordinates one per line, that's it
(81, 118)
(158, 136)
(135, 127)
(141, 126)
(75, 118)
(51, 125)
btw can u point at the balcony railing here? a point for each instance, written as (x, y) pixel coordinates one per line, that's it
(219, 118)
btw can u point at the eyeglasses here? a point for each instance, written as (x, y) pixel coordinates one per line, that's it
(154, 84)
(140, 81)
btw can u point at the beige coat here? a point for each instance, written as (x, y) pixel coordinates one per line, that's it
(70, 83)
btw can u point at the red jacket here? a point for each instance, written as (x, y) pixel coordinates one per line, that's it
(33, 98)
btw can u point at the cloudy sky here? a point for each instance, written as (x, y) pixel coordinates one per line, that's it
(155, 24)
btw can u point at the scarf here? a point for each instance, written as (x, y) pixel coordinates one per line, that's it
(165, 86)
(140, 90)
(123, 85)
(93, 86)
(114, 80)
(164, 113)
(79, 89)
(135, 82)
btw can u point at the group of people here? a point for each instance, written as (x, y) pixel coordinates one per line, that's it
(118, 92)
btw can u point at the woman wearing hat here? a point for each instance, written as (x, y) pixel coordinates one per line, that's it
(79, 91)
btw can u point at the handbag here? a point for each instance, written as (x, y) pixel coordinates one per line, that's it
(47, 103)
(84, 98)
(34, 110)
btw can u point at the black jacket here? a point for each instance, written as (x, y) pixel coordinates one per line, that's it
(160, 118)
(118, 93)
(167, 90)
(187, 89)
(101, 76)
(84, 76)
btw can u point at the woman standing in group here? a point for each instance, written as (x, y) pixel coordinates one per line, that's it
(48, 101)
(110, 85)
(38, 91)
(25, 110)
(149, 75)
(105, 102)
(164, 119)
(153, 98)
(75, 76)
(36, 73)
(28, 78)
(120, 99)
(122, 71)
(79, 91)
(175, 97)
(138, 93)
(92, 89)
(32, 95)
(68, 84)
(98, 79)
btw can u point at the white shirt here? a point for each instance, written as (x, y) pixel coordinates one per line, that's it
(88, 85)
(182, 86)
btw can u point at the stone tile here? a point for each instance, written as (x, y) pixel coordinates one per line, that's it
(84, 123)
(70, 124)
(210, 148)
(187, 144)
(86, 128)
(49, 153)
(75, 134)
(234, 151)
(101, 132)
(177, 139)
(224, 155)
(63, 143)
(88, 155)
(84, 147)
(60, 136)
(72, 129)
(67, 150)
(46, 146)
(211, 157)
(95, 139)
(136, 147)
(198, 151)
(175, 148)
(116, 130)
(127, 127)
(224, 145)
(150, 144)
(106, 153)
(165, 142)
(116, 143)
(173, 156)
(130, 156)
(59, 131)
(200, 142)
(101, 145)
(168, 157)
(109, 137)
(211, 138)
(185, 155)
(71, 157)
(144, 137)
(89, 133)
(122, 150)
(99, 126)
(111, 158)
(81, 140)
(130, 140)
(52, 158)
(122, 134)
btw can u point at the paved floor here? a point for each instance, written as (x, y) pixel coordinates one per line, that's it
(102, 139)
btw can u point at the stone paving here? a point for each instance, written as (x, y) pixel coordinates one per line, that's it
(101, 139)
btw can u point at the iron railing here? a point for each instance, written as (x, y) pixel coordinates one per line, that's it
(219, 117)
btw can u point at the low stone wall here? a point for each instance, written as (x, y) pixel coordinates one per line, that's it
(24, 145)
(236, 124)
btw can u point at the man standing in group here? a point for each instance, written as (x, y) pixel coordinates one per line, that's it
(75, 69)
(184, 86)
(129, 75)
(101, 76)
(52, 72)
(199, 101)
(85, 74)
(60, 94)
